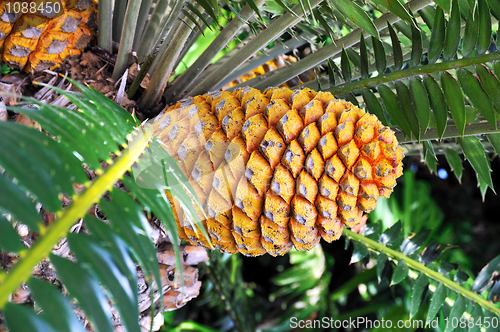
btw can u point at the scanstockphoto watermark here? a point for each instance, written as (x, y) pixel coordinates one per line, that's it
(360, 322)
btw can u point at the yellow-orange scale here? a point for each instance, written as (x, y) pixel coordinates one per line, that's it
(39, 34)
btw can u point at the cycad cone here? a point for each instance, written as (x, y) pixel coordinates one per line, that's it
(40, 34)
(278, 168)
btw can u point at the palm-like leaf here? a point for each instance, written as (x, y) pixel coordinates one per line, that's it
(41, 168)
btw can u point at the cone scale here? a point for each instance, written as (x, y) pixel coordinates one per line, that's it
(39, 34)
(277, 169)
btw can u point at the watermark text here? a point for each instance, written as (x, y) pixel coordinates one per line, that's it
(364, 322)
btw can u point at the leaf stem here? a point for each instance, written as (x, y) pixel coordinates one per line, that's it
(141, 22)
(439, 148)
(262, 58)
(397, 75)
(105, 35)
(118, 18)
(127, 38)
(451, 131)
(377, 247)
(165, 61)
(21, 271)
(155, 24)
(324, 80)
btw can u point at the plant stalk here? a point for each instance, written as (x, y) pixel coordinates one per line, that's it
(324, 80)
(183, 82)
(175, 22)
(398, 75)
(451, 131)
(105, 36)
(216, 65)
(440, 148)
(193, 37)
(267, 36)
(269, 55)
(168, 25)
(118, 18)
(127, 38)
(165, 65)
(141, 22)
(140, 76)
(377, 247)
(21, 271)
(150, 33)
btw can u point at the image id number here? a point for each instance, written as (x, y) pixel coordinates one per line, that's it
(32, 7)
(463, 322)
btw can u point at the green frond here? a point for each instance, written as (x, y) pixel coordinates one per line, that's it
(392, 245)
(41, 168)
